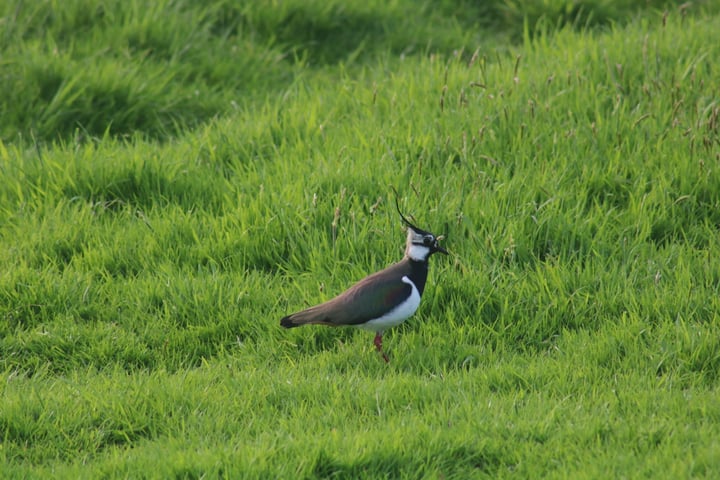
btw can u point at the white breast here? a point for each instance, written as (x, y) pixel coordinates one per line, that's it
(398, 314)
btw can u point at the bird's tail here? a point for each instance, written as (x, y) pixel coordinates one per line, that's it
(288, 323)
(316, 315)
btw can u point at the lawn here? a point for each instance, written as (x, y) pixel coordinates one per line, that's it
(176, 177)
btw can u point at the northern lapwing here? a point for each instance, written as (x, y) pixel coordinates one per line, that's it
(382, 300)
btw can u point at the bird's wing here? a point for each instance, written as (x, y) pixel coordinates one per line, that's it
(368, 299)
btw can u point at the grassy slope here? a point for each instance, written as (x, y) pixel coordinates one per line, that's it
(573, 332)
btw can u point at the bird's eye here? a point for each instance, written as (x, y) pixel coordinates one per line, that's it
(428, 240)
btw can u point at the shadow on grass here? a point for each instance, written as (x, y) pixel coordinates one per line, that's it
(110, 70)
(454, 460)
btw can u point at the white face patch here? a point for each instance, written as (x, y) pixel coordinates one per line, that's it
(418, 253)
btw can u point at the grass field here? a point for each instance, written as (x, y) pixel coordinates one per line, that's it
(175, 178)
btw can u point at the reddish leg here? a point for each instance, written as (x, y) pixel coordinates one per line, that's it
(378, 345)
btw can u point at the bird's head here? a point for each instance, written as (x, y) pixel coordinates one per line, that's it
(420, 243)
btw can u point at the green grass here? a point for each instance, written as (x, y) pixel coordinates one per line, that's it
(175, 179)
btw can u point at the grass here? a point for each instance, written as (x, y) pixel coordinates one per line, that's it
(170, 189)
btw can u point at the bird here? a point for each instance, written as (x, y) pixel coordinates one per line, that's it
(383, 299)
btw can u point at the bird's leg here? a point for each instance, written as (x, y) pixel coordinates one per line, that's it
(378, 345)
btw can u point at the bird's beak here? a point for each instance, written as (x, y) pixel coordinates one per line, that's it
(437, 246)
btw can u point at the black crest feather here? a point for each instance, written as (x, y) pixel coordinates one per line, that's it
(397, 206)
